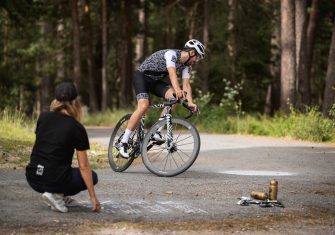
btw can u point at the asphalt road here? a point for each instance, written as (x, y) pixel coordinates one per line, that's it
(204, 198)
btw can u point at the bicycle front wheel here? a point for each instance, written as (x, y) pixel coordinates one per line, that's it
(116, 161)
(164, 160)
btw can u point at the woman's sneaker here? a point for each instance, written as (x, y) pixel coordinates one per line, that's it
(70, 202)
(55, 200)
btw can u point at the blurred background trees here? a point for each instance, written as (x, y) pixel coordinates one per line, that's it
(280, 51)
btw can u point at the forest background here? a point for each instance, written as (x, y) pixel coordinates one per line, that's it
(269, 67)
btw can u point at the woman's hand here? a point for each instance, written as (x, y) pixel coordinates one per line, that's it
(96, 207)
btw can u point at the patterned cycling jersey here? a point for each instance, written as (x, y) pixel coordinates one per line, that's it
(155, 66)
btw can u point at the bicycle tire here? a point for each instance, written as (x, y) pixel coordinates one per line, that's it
(183, 130)
(116, 161)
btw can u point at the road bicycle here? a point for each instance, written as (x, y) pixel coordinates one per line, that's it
(170, 157)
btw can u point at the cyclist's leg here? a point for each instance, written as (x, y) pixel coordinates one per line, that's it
(141, 86)
(142, 95)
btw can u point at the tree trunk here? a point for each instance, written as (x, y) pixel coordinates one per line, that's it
(104, 92)
(90, 64)
(288, 60)
(311, 29)
(139, 49)
(191, 19)
(232, 4)
(169, 34)
(5, 38)
(204, 78)
(125, 93)
(303, 85)
(60, 52)
(45, 84)
(273, 96)
(76, 44)
(329, 94)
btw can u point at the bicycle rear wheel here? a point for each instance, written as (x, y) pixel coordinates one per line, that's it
(116, 161)
(164, 161)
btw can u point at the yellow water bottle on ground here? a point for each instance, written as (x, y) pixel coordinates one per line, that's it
(273, 190)
(259, 195)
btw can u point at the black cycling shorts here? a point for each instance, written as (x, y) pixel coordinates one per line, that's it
(144, 85)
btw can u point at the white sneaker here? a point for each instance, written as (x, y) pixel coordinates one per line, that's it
(55, 200)
(158, 137)
(70, 202)
(124, 150)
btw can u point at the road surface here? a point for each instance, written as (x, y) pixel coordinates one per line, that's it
(201, 200)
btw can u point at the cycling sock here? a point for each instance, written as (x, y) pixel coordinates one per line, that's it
(126, 136)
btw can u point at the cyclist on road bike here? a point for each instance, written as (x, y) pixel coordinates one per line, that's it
(148, 78)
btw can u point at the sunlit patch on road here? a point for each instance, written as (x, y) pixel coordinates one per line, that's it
(260, 173)
(144, 207)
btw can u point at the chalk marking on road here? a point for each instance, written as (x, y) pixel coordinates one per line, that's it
(183, 207)
(139, 207)
(261, 173)
(149, 207)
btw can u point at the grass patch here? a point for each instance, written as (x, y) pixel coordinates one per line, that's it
(310, 125)
(16, 138)
(107, 118)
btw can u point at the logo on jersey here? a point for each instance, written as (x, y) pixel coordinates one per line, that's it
(174, 59)
(40, 170)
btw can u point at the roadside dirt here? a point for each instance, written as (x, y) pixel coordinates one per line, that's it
(316, 221)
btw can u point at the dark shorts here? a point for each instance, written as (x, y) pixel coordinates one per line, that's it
(144, 85)
(73, 187)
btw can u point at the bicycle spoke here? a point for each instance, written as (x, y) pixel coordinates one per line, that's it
(187, 155)
(166, 161)
(157, 154)
(175, 160)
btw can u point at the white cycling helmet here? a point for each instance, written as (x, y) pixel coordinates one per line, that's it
(195, 44)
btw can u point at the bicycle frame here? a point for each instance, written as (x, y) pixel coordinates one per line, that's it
(167, 116)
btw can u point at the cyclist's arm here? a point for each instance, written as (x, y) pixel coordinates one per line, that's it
(174, 81)
(170, 58)
(187, 87)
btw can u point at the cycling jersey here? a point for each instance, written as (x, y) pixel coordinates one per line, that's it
(155, 66)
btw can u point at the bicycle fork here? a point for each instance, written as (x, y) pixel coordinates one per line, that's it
(169, 131)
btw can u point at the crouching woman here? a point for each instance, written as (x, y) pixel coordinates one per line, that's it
(58, 134)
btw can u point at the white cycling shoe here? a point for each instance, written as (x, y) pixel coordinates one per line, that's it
(124, 150)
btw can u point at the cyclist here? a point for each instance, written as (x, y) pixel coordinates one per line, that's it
(148, 78)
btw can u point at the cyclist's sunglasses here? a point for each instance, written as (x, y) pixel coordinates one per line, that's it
(198, 56)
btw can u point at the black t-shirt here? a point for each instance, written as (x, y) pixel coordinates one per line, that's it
(57, 136)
